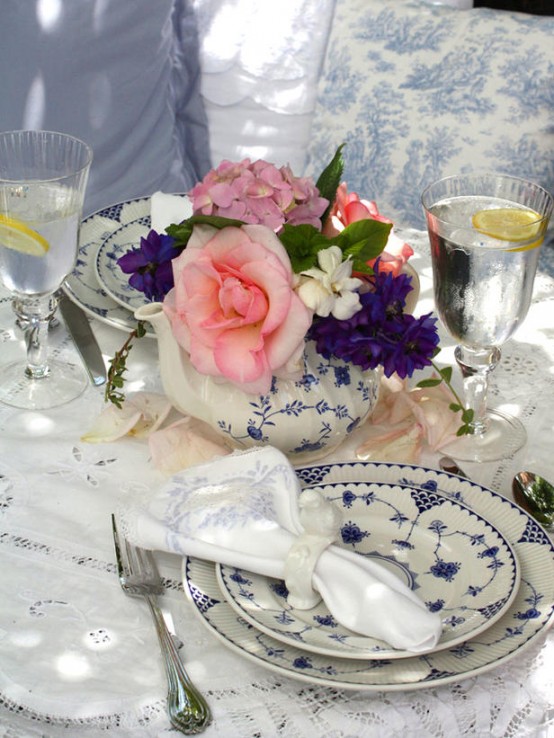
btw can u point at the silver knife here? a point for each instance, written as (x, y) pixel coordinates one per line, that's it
(78, 326)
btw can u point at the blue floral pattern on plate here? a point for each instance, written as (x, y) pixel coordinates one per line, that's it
(524, 622)
(108, 273)
(82, 285)
(461, 566)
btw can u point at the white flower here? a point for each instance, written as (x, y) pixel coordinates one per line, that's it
(330, 289)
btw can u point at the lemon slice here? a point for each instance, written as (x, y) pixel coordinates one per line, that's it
(14, 234)
(509, 224)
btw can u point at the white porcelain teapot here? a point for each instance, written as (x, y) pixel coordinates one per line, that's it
(306, 419)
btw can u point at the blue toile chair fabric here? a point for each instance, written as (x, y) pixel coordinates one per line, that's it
(421, 91)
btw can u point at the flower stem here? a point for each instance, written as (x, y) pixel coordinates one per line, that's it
(445, 375)
(118, 366)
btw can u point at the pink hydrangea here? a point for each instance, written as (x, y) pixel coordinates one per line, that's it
(258, 193)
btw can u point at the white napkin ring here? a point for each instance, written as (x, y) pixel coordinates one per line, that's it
(321, 521)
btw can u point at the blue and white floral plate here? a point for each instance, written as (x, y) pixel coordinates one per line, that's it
(109, 275)
(82, 285)
(524, 622)
(459, 565)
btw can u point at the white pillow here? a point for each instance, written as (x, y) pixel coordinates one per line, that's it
(421, 91)
(122, 76)
(260, 62)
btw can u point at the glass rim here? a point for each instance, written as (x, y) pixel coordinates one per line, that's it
(491, 175)
(39, 131)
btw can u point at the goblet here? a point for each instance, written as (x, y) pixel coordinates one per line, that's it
(485, 232)
(43, 176)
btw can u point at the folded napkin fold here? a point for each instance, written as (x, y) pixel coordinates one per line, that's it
(166, 209)
(247, 510)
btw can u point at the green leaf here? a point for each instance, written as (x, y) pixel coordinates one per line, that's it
(429, 383)
(141, 329)
(446, 374)
(455, 407)
(302, 243)
(330, 179)
(363, 240)
(181, 232)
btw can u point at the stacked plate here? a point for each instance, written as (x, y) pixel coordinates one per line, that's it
(470, 554)
(97, 284)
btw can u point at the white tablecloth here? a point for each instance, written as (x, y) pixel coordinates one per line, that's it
(78, 658)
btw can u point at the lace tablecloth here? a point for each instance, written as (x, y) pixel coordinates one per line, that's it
(79, 658)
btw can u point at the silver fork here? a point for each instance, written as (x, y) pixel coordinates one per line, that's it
(139, 577)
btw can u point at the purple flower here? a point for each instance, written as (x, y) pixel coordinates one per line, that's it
(380, 333)
(150, 265)
(413, 347)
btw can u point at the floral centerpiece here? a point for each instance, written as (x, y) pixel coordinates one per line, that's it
(268, 264)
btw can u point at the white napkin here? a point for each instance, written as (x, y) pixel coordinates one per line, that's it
(242, 510)
(167, 209)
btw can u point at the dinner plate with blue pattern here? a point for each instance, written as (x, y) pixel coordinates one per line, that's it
(523, 623)
(459, 565)
(82, 285)
(108, 273)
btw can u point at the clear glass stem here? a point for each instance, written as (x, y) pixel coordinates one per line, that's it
(476, 365)
(33, 317)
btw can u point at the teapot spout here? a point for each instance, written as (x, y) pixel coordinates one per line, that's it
(177, 373)
(153, 313)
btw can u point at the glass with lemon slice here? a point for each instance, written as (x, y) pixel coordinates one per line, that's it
(43, 177)
(485, 232)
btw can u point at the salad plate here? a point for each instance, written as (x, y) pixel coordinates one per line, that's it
(82, 285)
(109, 274)
(523, 623)
(460, 566)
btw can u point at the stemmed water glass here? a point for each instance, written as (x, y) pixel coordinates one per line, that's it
(43, 176)
(485, 232)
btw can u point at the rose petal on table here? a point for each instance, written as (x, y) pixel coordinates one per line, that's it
(402, 443)
(182, 444)
(112, 423)
(141, 414)
(431, 408)
(398, 411)
(393, 406)
(154, 409)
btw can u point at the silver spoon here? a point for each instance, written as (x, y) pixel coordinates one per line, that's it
(535, 495)
(531, 492)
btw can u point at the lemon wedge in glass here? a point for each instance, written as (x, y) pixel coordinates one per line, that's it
(509, 224)
(16, 235)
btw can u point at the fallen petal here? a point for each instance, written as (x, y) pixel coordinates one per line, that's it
(183, 444)
(153, 408)
(400, 444)
(112, 423)
(141, 414)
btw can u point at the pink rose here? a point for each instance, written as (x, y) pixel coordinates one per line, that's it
(348, 208)
(233, 307)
